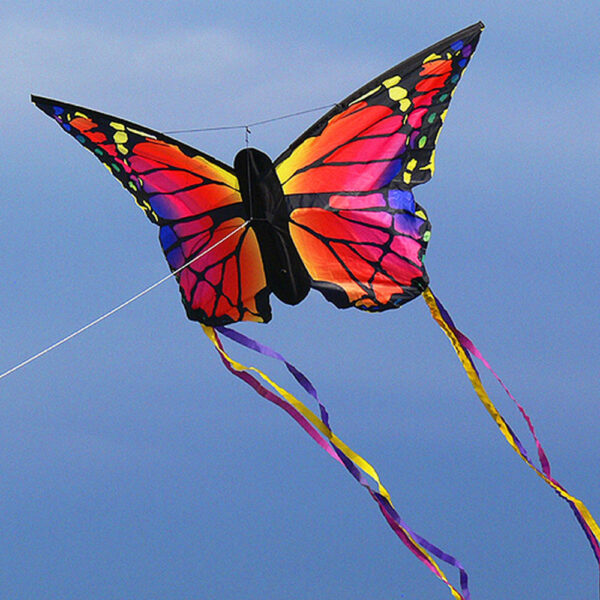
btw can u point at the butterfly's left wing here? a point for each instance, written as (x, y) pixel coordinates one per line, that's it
(196, 202)
(348, 180)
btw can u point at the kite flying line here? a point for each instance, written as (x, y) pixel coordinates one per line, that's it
(120, 306)
(111, 312)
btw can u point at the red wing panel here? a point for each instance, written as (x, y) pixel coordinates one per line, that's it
(196, 202)
(386, 131)
(226, 283)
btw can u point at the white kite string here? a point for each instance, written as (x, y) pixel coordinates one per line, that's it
(173, 273)
(122, 305)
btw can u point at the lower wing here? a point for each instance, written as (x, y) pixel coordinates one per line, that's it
(364, 250)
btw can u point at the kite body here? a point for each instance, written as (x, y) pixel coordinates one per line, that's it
(267, 212)
(334, 212)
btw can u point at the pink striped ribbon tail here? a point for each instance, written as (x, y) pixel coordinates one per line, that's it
(417, 544)
(470, 347)
(464, 348)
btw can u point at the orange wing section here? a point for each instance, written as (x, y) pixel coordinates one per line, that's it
(386, 131)
(365, 254)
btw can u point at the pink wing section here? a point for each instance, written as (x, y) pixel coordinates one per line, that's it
(362, 254)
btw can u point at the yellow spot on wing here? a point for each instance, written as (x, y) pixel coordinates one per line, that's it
(431, 164)
(392, 81)
(120, 137)
(142, 133)
(397, 93)
(405, 104)
(431, 57)
(407, 175)
(116, 125)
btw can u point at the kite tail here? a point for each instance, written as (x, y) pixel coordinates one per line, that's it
(464, 348)
(319, 430)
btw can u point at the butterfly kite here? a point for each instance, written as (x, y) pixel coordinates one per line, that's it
(334, 212)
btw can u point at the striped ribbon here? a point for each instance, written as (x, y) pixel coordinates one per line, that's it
(464, 348)
(319, 430)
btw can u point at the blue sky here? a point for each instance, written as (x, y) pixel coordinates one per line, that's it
(133, 466)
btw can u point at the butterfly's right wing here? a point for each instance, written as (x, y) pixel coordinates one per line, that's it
(348, 180)
(194, 199)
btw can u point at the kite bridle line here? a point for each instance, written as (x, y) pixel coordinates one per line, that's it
(247, 133)
(254, 124)
(123, 304)
(313, 425)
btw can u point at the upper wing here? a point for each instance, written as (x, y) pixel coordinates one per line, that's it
(348, 179)
(196, 202)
